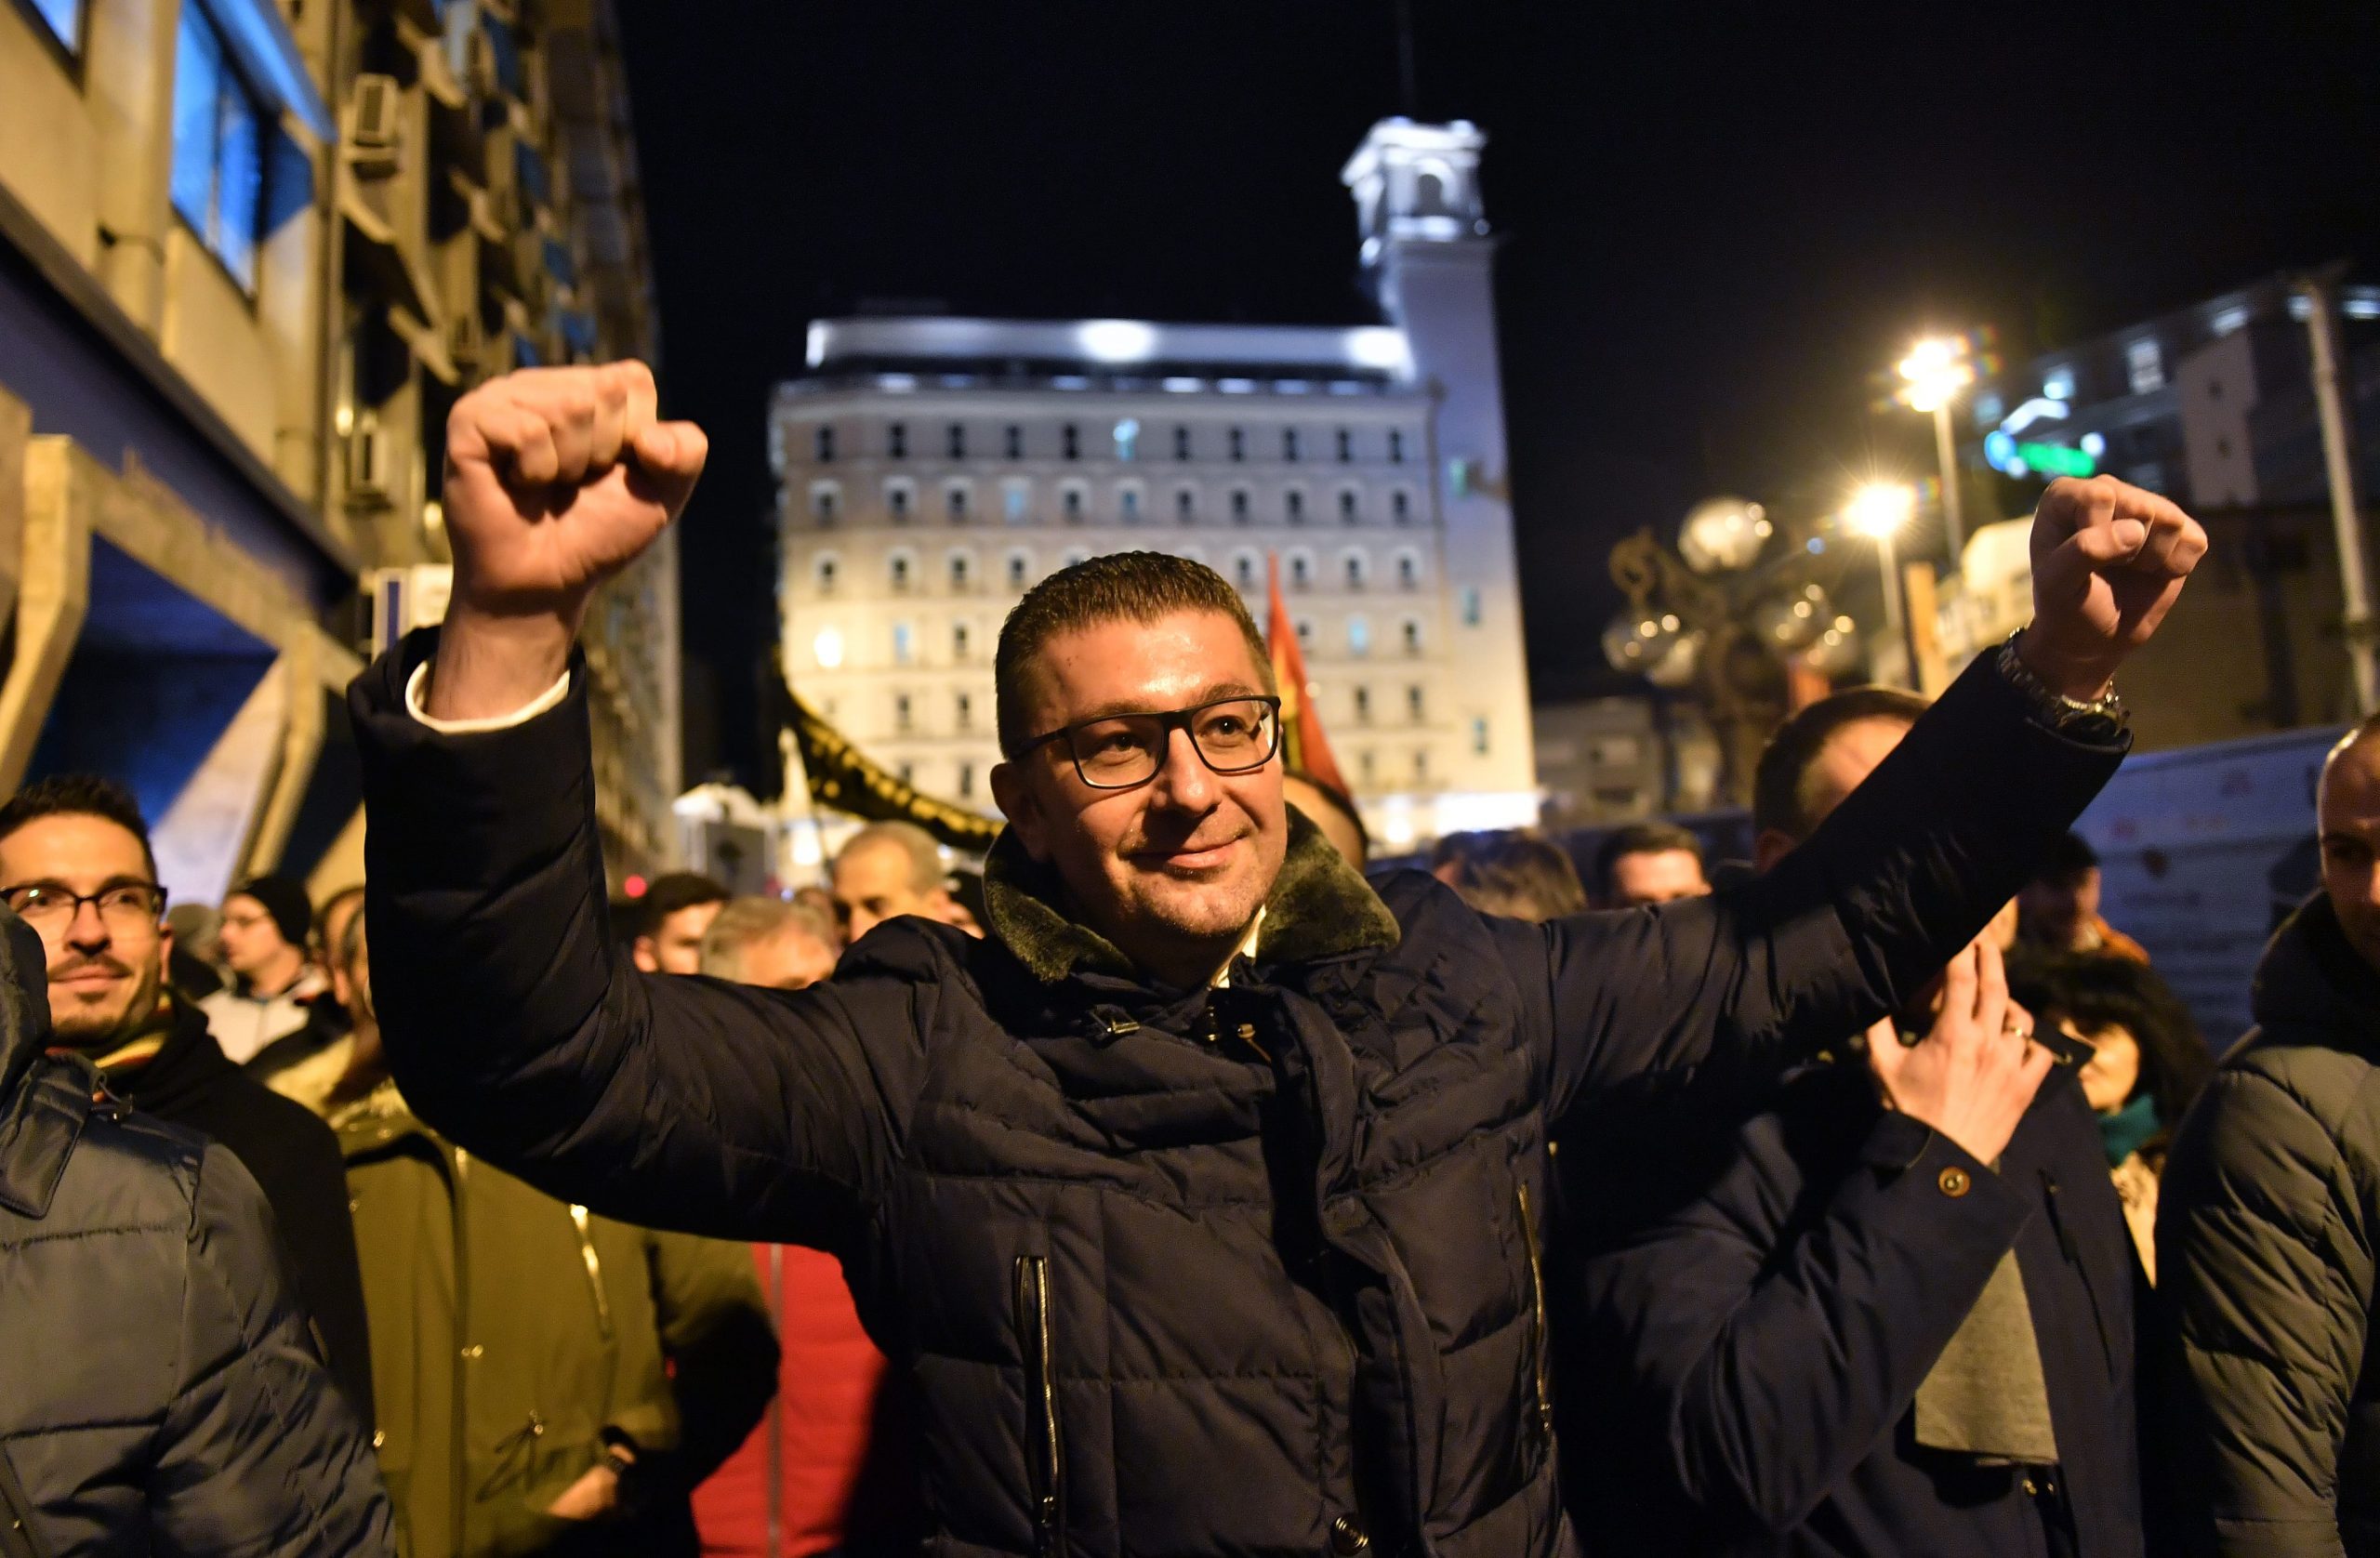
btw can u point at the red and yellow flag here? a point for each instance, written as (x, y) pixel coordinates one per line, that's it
(1303, 747)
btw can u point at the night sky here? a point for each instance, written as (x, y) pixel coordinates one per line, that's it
(1713, 238)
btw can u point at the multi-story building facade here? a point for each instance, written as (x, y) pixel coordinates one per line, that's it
(932, 469)
(250, 255)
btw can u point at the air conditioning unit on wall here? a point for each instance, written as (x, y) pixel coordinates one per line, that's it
(374, 125)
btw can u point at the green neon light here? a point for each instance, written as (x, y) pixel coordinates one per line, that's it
(2056, 459)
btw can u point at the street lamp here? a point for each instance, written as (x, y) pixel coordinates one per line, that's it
(1931, 376)
(1880, 510)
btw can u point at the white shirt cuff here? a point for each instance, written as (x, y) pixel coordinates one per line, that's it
(549, 699)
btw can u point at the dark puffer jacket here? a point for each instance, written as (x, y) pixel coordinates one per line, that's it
(2268, 1221)
(1248, 1270)
(158, 1390)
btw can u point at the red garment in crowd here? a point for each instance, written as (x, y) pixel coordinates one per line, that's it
(820, 1424)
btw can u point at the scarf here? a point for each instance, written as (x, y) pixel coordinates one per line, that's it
(2125, 1130)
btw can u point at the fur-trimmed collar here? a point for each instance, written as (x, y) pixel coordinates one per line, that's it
(1320, 906)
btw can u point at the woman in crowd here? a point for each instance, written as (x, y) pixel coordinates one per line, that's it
(2147, 1064)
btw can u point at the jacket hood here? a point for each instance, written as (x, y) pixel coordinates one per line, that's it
(25, 1000)
(1320, 906)
(2311, 978)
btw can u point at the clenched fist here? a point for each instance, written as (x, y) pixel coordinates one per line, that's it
(2108, 562)
(556, 479)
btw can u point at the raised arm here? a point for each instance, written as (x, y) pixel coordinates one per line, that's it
(512, 1022)
(2268, 1289)
(1905, 872)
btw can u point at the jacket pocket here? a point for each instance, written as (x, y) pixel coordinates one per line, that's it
(1540, 1350)
(1044, 1441)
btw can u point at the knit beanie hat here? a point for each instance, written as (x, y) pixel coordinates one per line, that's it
(292, 912)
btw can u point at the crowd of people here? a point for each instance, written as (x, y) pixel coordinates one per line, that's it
(1174, 1186)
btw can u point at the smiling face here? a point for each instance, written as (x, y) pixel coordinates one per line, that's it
(105, 974)
(1170, 871)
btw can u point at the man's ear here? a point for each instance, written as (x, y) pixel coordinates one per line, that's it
(1772, 846)
(640, 953)
(1013, 794)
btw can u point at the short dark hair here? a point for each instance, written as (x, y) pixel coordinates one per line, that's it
(1781, 785)
(78, 795)
(2097, 992)
(1523, 876)
(672, 892)
(1131, 586)
(1642, 838)
(2069, 860)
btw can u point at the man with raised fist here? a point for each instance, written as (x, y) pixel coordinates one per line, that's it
(1200, 1201)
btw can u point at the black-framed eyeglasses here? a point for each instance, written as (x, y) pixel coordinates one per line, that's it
(121, 906)
(1118, 751)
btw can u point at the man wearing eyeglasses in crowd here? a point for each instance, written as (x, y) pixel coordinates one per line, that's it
(76, 867)
(1200, 1201)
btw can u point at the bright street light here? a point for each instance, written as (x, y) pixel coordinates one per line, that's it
(1931, 376)
(1879, 510)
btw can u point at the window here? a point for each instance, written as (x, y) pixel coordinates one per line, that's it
(2145, 365)
(826, 569)
(1346, 446)
(904, 643)
(1239, 444)
(1421, 765)
(826, 501)
(1363, 706)
(1359, 637)
(218, 147)
(1020, 567)
(1293, 505)
(1239, 505)
(897, 440)
(1128, 504)
(1400, 505)
(1070, 443)
(908, 771)
(1411, 634)
(901, 722)
(1408, 571)
(1347, 505)
(822, 444)
(900, 497)
(1413, 704)
(1470, 605)
(1243, 570)
(960, 644)
(1290, 445)
(1074, 555)
(1128, 439)
(1352, 565)
(966, 780)
(1395, 446)
(899, 570)
(1305, 632)
(957, 442)
(1367, 766)
(1181, 444)
(1016, 499)
(1185, 504)
(1479, 735)
(962, 571)
(1071, 500)
(1012, 442)
(954, 498)
(1300, 571)
(962, 709)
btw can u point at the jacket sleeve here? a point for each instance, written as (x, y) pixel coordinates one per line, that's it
(519, 1028)
(2269, 1291)
(722, 1348)
(1844, 931)
(259, 1453)
(1770, 1333)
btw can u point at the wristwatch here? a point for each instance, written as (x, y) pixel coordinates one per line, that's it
(2101, 721)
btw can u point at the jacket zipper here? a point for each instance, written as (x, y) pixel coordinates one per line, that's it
(579, 1221)
(1044, 1451)
(1537, 1309)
